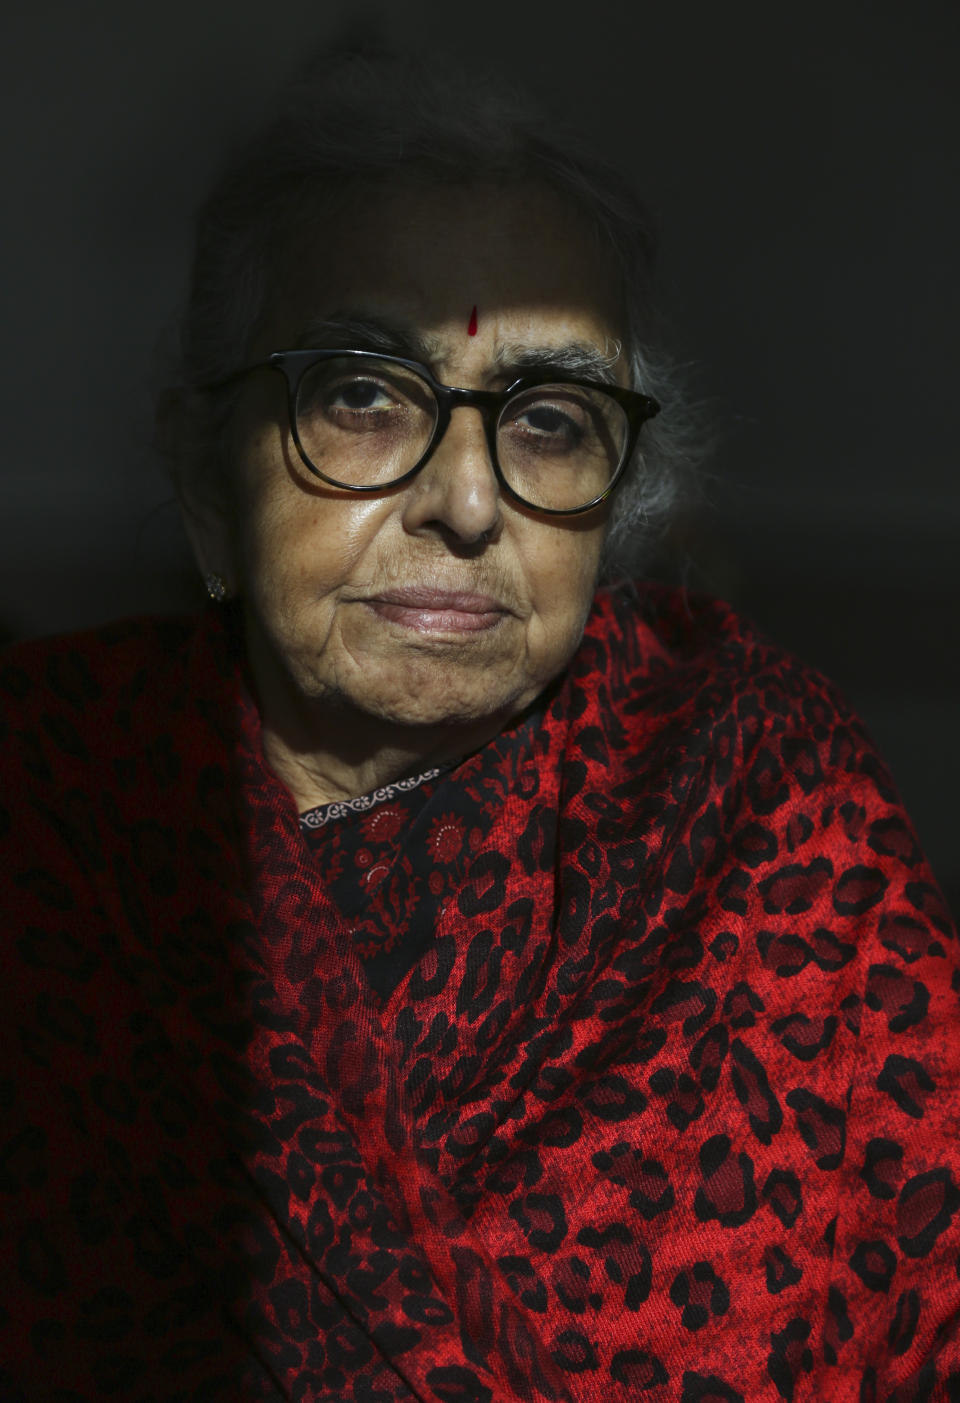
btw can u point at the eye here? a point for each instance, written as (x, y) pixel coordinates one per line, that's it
(375, 396)
(357, 394)
(350, 401)
(362, 421)
(552, 420)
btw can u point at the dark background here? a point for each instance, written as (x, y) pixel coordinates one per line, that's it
(802, 161)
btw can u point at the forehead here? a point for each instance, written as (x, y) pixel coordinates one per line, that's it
(426, 257)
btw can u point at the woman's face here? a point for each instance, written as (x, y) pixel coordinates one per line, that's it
(440, 603)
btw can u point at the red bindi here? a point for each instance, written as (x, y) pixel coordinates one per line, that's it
(472, 323)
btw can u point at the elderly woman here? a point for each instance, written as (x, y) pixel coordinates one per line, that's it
(432, 976)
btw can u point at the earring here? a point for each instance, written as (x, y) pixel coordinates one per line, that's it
(216, 587)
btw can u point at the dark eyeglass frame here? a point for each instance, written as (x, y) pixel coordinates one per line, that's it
(294, 365)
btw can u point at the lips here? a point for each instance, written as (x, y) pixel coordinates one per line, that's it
(430, 610)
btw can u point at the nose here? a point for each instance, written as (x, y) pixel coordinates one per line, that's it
(456, 493)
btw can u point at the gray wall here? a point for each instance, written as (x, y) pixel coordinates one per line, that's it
(803, 163)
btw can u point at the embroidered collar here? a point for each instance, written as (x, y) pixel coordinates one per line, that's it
(323, 814)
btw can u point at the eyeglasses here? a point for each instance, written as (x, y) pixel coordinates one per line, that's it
(367, 422)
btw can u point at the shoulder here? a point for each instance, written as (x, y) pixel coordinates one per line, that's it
(82, 668)
(754, 745)
(673, 632)
(669, 652)
(73, 702)
(107, 737)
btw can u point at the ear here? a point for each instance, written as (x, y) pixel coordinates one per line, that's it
(207, 521)
(202, 490)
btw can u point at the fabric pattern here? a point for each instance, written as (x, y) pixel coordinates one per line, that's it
(420, 843)
(323, 814)
(667, 1109)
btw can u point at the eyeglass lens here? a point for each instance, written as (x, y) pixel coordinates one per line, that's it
(366, 425)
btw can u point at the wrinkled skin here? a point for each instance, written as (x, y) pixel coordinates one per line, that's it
(351, 698)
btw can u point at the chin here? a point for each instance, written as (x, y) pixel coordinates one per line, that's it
(421, 712)
(439, 697)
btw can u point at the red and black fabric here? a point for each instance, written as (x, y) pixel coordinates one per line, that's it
(666, 1109)
(418, 837)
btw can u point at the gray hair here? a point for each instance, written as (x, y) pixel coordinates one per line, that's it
(360, 117)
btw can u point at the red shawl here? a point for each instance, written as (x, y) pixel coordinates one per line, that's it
(666, 1109)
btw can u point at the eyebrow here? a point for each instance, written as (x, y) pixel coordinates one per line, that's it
(357, 332)
(576, 358)
(512, 360)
